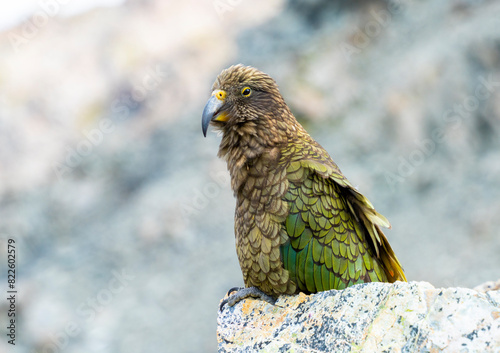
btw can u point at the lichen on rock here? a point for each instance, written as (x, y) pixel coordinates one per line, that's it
(370, 317)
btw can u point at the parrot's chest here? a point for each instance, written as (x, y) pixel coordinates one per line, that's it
(261, 211)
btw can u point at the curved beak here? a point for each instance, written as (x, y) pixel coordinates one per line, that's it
(212, 112)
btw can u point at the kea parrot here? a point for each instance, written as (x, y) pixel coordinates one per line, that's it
(300, 225)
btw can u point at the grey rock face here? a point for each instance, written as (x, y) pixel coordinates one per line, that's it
(371, 317)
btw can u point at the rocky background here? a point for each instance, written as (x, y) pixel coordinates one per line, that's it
(121, 211)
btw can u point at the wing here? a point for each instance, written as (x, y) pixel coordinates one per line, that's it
(334, 235)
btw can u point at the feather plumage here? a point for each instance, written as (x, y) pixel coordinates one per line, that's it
(299, 223)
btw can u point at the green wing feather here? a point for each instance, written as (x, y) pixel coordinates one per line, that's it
(334, 232)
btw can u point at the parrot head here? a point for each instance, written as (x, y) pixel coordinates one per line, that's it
(242, 98)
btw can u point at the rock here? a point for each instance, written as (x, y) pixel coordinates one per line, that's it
(370, 317)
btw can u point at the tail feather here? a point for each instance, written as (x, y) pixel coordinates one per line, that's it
(372, 221)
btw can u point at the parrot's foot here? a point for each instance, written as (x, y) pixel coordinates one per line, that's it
(243, 293)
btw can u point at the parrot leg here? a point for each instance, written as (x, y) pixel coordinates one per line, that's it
(243, 293)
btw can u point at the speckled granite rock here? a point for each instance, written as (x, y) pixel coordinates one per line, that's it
(372, 317)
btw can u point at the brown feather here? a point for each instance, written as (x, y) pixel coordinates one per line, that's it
(267, 151)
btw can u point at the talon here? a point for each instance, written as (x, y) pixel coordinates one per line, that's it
(244, 293)
(234, 289)
(221, 306)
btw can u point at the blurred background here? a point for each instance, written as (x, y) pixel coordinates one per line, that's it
(123, 215)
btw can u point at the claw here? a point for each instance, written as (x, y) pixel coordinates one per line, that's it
(221, 306)
(234, 289)
(244, 293)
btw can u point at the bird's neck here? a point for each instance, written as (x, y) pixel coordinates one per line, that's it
(251, 146)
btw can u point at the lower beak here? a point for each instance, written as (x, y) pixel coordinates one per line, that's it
(210, 112)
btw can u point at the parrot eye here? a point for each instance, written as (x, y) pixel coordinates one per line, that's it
(245, 92)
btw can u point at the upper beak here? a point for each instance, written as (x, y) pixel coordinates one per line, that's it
(212, 110)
